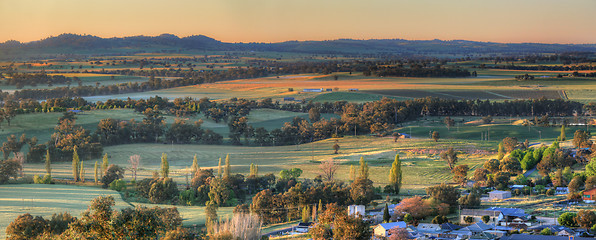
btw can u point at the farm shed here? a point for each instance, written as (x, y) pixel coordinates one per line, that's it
(353, 89)
(356, 209)
(312, 90)
(289, 99)
(589, 196)
(495, 195)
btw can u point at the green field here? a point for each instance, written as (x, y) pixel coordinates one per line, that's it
(44, 200)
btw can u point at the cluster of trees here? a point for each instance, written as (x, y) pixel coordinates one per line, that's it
(33, 79)
(101, 221)
(443, 200)
(416, 70)
(277, 207)
(584, 219)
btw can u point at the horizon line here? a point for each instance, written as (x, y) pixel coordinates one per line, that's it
(294, 40)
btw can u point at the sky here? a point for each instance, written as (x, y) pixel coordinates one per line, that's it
(544, 21)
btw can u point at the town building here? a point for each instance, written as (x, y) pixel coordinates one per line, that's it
(499, 195)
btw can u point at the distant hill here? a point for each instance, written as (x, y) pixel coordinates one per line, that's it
(69, 44)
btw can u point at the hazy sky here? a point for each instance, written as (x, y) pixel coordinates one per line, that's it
(548, 21)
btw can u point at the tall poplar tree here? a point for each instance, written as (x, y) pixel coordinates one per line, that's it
(228, 168)
(165, 166)
(195, 166)
(352, 173)
(48, 163)
(104, 165)
(96, 172)
(363, 169)
(395, 175)
(562, 137)
(82, 172)
(75, 165)
(501, 153)
(219, 168)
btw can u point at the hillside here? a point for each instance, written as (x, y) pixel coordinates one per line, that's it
(68, 44)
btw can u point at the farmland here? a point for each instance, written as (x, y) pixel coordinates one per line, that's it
(44, 200)
(474, 141)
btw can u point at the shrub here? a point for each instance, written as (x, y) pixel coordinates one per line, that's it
(118, 185)
(546, 231)
(112, 173)
(47, 179)
(550, 192)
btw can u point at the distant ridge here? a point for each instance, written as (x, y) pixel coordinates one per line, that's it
(93, 45)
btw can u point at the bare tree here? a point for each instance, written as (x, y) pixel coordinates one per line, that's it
(18, 156)
(329, 168)
(241, 226)
(134, 161)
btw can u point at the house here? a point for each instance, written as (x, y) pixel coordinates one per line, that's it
(450, 226)
(312, 90)
(289, 99)
(561, 191)
(429, 230)
(553, 228)
(512, 215)
(353, 89)
(477, 227)
(477, 214)
(356, 209)
(541, 237)
(589, 196)
(498, 195)
(516, 187)
(303, 227)
(329, 90)
(382, 229)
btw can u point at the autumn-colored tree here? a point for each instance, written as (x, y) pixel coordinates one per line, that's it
(480, 175)
(435, 136)
(581, 138)
(510, 143)
(585, 218)
(415, 206)
(510, 165)
(460, 174)
(590, 183)
(449, 156)
(26, 227)
(575, 184)
(444, 193)
(336, 147)
(492, 165)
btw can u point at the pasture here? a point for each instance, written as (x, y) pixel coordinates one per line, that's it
(44, 200)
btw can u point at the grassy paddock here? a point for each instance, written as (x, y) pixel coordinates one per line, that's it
(44, 200)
